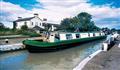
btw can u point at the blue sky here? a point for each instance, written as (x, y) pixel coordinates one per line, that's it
(114, 3)
(27, 4)
(106, 13)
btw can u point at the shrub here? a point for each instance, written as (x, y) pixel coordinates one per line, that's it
(31, 34)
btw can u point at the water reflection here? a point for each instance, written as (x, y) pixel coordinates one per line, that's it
(62, 60)
(13, 60)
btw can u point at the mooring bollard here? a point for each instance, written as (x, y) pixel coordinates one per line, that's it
(105, 46)
(119, 45)
(6, 40)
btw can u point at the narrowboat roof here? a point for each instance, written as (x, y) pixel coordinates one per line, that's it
(73, 32)
(49, 44)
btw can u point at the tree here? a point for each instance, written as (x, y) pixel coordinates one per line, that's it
(81, 22)
(106, 30)
(113, 30)
(1, 25)
(3, 28)
(66, 24)
(85, 20)
(24, 27)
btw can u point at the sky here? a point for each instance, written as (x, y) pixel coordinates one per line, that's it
(105, 13)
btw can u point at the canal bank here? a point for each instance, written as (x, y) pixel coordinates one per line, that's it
(109, 60)
(13, 44)
(16, 40)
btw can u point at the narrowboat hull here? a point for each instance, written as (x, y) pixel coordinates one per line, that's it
(37, 46)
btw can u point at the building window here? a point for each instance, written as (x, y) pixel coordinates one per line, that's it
(77, 35)
(68, 36)
(32, 23)
(40, 24)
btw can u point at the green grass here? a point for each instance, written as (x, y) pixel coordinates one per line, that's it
(18, 32)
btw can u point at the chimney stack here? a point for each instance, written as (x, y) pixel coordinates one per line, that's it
(44, 19)
(35, 15)
(19, 17)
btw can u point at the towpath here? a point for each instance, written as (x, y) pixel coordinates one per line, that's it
(109, 60)
(16, 40)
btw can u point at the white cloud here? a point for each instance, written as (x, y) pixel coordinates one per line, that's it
(56, 10)
(70, 8)
(9, 12)
(113, 24)
(62, 3)
(11, 9)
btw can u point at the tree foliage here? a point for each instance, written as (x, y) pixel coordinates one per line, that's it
(24, 27)
(81, 22)
(3, 28)
(1, 25)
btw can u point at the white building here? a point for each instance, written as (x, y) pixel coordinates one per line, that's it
(33, 22)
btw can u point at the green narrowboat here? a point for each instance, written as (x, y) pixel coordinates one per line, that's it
(59, 41)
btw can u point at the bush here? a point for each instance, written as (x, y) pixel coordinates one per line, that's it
(24, 27)
(27, 32)
(31, 34)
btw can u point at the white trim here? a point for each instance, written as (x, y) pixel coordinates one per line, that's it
(119, 45)
(85, 61)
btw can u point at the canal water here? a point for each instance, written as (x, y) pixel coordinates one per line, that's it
(61, 60)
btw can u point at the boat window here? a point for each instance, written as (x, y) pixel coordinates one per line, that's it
(93, 34)
(57, 36)
(77, 35)
(68, 36)
(100, 34)
(89, 34)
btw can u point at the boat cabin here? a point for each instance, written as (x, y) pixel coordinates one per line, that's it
(54, 37)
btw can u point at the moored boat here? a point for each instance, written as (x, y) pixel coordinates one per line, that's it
(58, 41)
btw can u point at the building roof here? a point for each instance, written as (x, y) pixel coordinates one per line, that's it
(49, 24)
(23, 19)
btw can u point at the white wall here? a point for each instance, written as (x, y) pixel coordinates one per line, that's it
(91, 34)
(102, 34)
(62, 36)
(38, 21)
(97, 34)
(84, 35)
(19, 24)
(29, 23)
(74, 36)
